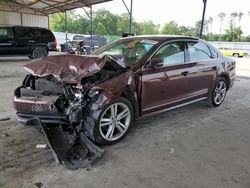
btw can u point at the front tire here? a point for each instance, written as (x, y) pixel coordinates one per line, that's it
(218, 94)
(113, 122)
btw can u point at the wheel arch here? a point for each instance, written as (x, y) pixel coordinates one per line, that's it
(37, 46)
(130, 96)
(226, 77)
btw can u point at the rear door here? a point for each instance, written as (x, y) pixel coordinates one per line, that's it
(166, 84)
(203, 68)
(7, 42)
(24, 39)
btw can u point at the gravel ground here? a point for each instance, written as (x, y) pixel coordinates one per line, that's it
(191, 147)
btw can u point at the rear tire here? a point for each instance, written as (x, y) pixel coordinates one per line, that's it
(39, 52)
(218, 94)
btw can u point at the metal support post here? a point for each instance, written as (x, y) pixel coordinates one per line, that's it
(130, 14)
(66, 27)
(203, 17)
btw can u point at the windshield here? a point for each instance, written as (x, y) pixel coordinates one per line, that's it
(130, 51)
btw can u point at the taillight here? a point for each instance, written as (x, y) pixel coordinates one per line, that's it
(55, 43)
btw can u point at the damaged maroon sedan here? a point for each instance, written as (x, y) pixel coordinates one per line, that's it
(82, 100)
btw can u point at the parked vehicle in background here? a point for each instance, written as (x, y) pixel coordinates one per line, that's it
(232, 52)
(33, 42)
(82, 43)
(77, 41)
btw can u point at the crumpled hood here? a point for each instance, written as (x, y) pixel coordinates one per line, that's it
(67, 68)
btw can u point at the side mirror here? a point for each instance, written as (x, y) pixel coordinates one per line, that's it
(156, 62)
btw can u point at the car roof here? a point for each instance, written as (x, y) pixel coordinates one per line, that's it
(1, 26)
(160, 37)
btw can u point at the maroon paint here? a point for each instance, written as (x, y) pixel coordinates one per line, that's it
(154, 88)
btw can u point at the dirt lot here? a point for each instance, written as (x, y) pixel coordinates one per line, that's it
(192, 147)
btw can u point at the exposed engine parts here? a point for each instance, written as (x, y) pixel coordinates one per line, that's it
(73, 101)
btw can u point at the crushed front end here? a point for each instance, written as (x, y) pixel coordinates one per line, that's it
(56, 98)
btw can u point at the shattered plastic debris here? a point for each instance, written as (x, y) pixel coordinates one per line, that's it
(5, 135)
(171, 150)
(42, 146)
(5, 119)
(38, 184)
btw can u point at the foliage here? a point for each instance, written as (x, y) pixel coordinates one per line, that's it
(123, 24)
(107, 23)
(75, 23)
(147, 28)
(170, 28)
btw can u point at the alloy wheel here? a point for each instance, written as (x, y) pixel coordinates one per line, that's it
(115, 121)
(220, 92)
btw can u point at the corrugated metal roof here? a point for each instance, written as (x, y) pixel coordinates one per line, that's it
(50, 6)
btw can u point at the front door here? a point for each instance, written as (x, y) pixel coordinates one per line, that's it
(7, 42)
(165, 83)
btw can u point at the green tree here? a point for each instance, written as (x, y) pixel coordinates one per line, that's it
(75, 23)
(234, 15)
(123, 25)
(186, 31)
(105, 22)
(240, 14)
(210, 24)
(221, 16)
(57, 22)
(147, 28)
(170, 28)
(233, 34)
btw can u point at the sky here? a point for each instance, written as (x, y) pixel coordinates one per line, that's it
(183, 12)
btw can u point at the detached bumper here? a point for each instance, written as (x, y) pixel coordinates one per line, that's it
(81, 154)
(43, 107)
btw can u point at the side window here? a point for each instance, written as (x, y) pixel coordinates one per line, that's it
(36, 33)
(6, 33)
(198, 51)
(22, 32)
(171, 54)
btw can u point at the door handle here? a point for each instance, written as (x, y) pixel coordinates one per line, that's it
(185, 73)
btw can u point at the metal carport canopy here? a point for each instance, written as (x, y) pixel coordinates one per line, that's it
(46, 7)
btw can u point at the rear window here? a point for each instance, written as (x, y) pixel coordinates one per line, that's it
(6, 33)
